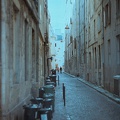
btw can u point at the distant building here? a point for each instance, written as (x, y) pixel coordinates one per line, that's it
(57, 49)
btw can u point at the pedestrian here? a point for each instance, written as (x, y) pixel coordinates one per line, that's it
(60, 69)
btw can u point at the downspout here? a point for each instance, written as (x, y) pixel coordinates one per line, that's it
(79, 43)
(85, 61)
(103, 45)
(0, 67)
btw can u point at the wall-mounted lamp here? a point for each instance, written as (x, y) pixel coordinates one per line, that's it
(67, 27)
(51, 58)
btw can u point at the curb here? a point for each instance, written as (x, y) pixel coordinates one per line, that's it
(70, 74)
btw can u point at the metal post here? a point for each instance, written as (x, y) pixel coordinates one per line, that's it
(58, 79)
(64, 94)
(63, 91)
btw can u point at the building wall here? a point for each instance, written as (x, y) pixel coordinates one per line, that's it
(57, 47)
(98, 43)
(111, 40)
(71, 41)
(22, 56)
(67, 36)
(43, 39)
(94, 42)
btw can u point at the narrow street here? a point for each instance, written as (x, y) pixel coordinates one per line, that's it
(82, 102)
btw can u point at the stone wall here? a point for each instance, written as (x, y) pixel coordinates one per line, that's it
(22, 50)
(98, 42)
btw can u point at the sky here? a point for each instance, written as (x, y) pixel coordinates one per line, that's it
(59, 17)
(58, 10)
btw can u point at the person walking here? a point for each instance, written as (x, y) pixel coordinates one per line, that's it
(60, 69)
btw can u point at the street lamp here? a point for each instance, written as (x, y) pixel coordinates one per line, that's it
(66, 27)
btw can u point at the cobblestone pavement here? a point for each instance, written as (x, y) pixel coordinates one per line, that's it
(83, 102)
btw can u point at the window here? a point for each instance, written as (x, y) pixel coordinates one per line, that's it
(107, 14)
(118, 49)
(55, 45)
(95, 58)
(89, 34)
(99, 63)
(0, 59)
(75, 43)
(109, 52)
(94, 5)
(118, 8)
(33, 52)
(99, 22)
(0, 33)
(70, 20)
(36, 4)
(26, 31)
(40, 11)
(90, 60)
(94, 30)
(59, 37)
(15, 47)
(71, 39)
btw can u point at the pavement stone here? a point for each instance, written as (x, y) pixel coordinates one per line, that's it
(68, 112)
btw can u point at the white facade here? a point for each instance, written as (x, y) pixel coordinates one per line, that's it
(57, 46)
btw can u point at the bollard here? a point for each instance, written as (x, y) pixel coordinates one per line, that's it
(63, 91)
(58, 79)
(64, 94)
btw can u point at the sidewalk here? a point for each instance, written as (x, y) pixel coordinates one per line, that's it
(99, 89)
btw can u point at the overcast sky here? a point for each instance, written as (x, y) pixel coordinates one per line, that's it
(57, 10)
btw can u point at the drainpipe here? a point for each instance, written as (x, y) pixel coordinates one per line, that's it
(79, 43)
(103, 44)
(85, 61)
(0, 65)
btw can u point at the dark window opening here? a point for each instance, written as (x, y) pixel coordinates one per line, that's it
(0, 32)
(95, 58)
(118, 8)
(99, 57)
(26, 50)
(107, 14)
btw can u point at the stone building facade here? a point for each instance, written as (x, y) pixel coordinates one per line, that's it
(111, 44)
(97, 42)
(23, 53)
